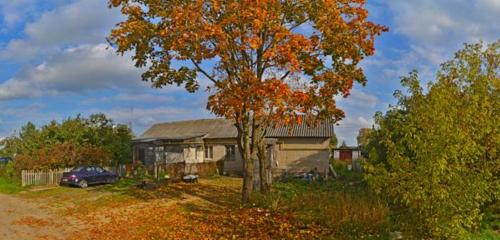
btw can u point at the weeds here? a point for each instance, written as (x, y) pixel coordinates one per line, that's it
(345, 211)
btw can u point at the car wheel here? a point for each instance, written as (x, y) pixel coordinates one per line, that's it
(83, 184)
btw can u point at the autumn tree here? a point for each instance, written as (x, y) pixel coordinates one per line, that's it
(435, 154)
(363, 135)
(268, 62)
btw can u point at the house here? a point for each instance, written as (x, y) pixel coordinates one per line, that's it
(348, 154)
(298, 148)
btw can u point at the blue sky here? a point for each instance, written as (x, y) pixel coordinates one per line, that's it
(54, 62)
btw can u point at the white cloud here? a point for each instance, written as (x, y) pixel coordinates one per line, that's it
(438, 28)
(23, 112)
(85, 21)
(358, 99)
(160, 99)
(80, 22)
(143, 118)
(13, 117)
(141, 97)
(359, 108)
(14, 11)
(77, 70)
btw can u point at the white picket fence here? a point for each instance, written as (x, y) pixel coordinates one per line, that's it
(53, 177)
(42, 177)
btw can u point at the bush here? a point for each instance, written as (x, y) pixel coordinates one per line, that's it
(8, 178)
(93, 140)
(63, 155)
(435, 154)
(344, 173)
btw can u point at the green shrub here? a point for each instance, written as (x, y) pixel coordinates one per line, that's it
(343, 172)
(435, 155)
(73, 141)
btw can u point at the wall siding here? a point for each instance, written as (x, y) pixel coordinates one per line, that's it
(219, 146)
(302, 154)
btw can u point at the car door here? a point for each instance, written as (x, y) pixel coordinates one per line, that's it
(90, 175)
(101, 175)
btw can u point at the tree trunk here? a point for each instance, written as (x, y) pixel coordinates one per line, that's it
(264, 177)
(264, 168)
(244, 147)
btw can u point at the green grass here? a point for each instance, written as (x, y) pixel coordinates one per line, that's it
(487, 234)
(344, 209)
(8, 187)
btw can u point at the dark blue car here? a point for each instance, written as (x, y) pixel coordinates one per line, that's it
(85, 175)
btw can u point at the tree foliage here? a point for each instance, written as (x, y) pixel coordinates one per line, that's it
(363, 135)
(73, 141)
(435, 154)
(333, 142)
(268, 61)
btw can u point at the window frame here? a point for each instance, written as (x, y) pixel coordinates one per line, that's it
(208, 152)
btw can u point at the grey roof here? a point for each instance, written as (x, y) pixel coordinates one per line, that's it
(322, 129)
(222, 128)
(209, 128)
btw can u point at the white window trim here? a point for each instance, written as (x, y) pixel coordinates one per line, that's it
(210, 150)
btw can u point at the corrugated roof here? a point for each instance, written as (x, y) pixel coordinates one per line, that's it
(210, 128)
(222, 128)
(322, 129)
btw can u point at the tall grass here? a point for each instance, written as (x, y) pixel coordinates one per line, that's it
(345, 211)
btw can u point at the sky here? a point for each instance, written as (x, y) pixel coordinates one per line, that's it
(55, 62)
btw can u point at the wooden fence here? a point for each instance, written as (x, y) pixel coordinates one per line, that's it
(53, 177)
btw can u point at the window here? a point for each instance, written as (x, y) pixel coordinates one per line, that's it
(174, 148)
(197, 153)
(209, 152)
(230, 152)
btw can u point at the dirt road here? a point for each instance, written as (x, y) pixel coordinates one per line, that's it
(29, 219)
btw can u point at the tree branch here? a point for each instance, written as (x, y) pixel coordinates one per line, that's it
(284, 76)
(198, 67)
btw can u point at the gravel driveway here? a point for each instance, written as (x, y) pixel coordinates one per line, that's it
(31, 219)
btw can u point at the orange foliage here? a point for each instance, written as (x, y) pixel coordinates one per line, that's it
(62, 155)
(279, 60)
(269, 61)
(192, 211)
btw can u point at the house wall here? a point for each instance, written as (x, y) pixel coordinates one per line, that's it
(219, 154)
(193, 154)
(302, 154)
(346, 155)
(290, 154)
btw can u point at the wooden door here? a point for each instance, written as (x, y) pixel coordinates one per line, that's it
(346, 156)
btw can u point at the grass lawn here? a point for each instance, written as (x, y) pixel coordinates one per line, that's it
(8, 187)
(210, 209)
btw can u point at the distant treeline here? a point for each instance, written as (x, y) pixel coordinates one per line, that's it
(96, 139)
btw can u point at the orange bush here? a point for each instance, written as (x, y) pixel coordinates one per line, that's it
(63, 155)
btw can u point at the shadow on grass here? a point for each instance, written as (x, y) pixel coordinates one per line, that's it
(222, 192)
